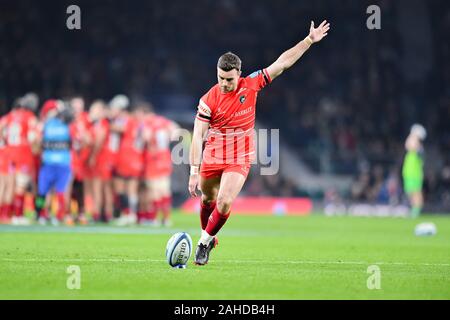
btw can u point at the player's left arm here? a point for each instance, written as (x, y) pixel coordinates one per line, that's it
(289, 57)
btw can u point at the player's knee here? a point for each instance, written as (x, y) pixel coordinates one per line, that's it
(224, 204)
(207, 198)
(22, 182)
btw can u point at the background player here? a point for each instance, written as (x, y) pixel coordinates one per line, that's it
(158, 164)
(130, 165)
(82, 140)
(228, 110)
(21, 129)
(4, 210)
(100, 162)
(55, 172)
(6, 176)
(117, 117)
(412, 170)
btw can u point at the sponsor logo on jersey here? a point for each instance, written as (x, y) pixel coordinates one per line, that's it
(243, 112)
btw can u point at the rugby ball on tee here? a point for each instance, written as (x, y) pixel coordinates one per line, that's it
(425, 229)
(179, 249)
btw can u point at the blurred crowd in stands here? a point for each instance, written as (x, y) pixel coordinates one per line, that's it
(345, 108)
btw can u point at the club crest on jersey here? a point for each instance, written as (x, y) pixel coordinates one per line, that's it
(242, 99)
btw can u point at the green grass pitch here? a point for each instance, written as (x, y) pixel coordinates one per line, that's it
(258, 257)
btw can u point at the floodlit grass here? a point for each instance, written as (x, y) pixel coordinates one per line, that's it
(259, 257)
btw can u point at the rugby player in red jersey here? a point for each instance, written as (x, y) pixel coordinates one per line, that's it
(4, 218)
(100, 162)
(158, 165)
(117, 117)
(228, 111)
(130, 165)
(21, 125)
(103, 159)
(82, 140)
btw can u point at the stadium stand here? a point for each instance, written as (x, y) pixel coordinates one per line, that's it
(346, 116)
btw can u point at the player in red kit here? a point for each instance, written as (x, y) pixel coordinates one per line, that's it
(228, 111)
(117, 116)
(107, 130)
(100, 162)
(158, 165)
(130, 164)
(21, 126)
(4, 218)
(82, 140)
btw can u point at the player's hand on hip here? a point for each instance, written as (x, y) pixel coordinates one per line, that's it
(193, 184)
(317, 34)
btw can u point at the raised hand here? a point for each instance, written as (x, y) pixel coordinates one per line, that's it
(317, 34)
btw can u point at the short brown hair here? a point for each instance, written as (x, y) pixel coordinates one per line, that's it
(229, 61)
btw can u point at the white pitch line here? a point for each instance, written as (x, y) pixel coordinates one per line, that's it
(81, 260)
(232, 261)
(343, 262)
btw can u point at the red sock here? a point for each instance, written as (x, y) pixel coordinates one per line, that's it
(3, 212)
(216, 222)
(9, 210)
(44, 213)
(61, 206)
(18, 205)
(150, 214)
(166, 206)
(205, 212)
(96, 216)
(140, 216)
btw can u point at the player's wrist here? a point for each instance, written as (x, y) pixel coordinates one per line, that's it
(194, 170)
(308, 40)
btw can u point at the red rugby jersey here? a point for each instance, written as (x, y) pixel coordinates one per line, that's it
(21, 125)
(231, 118)
(160, 131)
(132, 137)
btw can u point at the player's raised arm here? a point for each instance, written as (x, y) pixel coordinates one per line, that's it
(195, 154)
(289, 57)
